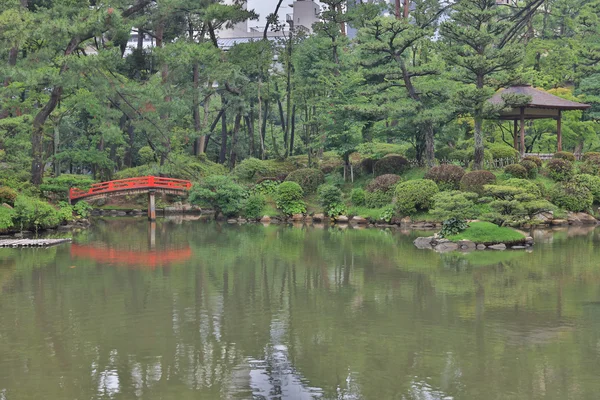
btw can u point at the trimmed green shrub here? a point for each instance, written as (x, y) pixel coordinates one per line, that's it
(536, 160)
(83, 209)
(444, 153)
(475, 180)
(504, 192)
(572, 196)
(392, 164)
(529, 187)
(8, 195)
(454, 205)
(499, 150)
(330, 198)
(590, 166)
(60, 185)
(453, 226)
(253, 168)
(416, 195)
(7, 216)
(591, 182)
(309, 179)
(383, 183)
(266, 187)
(220, 193)
(32, 213)
(289, 198)
(254, 206)
(559, 169)
(379, 198)
(564, 155)
(358, 197)
(516, 171)
(446, 176)
(531, 167)
(590, 155)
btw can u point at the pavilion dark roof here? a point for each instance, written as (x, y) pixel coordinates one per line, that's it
(540, 99)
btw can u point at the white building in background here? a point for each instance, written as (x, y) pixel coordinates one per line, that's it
(305, 14)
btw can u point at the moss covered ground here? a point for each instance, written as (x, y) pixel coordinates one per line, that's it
(486, 232)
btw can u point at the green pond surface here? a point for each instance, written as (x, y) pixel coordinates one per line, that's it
(199, 310)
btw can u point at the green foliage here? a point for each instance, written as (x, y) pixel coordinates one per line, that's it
(65, 211)
(254, 206)
(266, 187)
(531, 167)
(309, 179)
(559, 169)
(146, 155)
(453, 226)
(534, 159)
(7, 216)
(83, 209)
(591, 182)
(590, 155)
(60, 185)
(387, 213)
(528, 186)
(358, 197)
(8, 195)
(220, 193)
(252, 168)
(289, 198)
(454, 205)
(502, 151)
(393, 164)
(383, 183)
(331, 199)
(572, 196)
(488, 233)
(32, 213)
(379, 198)
(446, 176)
(474, 181)
(564, 155)
(414, 196)
(590, 166)
(378, 150)
(516, 171)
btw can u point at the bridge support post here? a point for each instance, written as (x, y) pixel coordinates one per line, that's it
(151, 205)
(152, 235)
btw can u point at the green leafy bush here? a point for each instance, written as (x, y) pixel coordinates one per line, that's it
(453, 226)
(591, 182)
(32, 213)
(358, 197)
(6, 218)
(572, 196)
(330, 198)
(564, 155)
(266, 187)
(516, 170)
(416, 195)
(474, 181)
(383, 183)
(536, 160)
(60, 185)
(392, 164)
(591, 166)
(309, 179)
(499, 150)
(254, 206)
(590, 155)
(65, 211)
(253, 168)
(83, 209)
(446, 176)
(220, 193)
(531, 167)
(454, 205)
(379, 198)
(559, 169)
(289, 198)
(8, 195)
(387, 213)
(528, 186)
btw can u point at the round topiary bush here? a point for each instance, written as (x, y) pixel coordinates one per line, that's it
(289, 198)
(590, 166)
(565, 155)
(559, 169)
(538, 190)
(330, 198)
(572, 196)
(516, 171)
(308, 178)
(446, 176)
(383, 183)
(379, 198)
(391, 165)
(536, 160)
(221, 193)
(252, 168)
(591, 182)
(416, 195)
(531, 167)
(254, 206)
(358, 197)
(590, 155)
(475, 180)
(8, 195)
(502, 151)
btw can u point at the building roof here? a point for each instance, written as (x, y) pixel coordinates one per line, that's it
(541, 105)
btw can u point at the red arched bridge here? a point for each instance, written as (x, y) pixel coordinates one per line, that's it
(145, 184)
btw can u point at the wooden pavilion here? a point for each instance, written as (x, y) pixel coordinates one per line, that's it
(541, 105)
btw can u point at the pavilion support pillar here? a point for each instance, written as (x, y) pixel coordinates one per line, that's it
(559, 131)
(522, 131)
(151, 205)
(516, 135)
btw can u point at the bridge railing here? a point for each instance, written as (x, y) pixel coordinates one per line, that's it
(146, 182)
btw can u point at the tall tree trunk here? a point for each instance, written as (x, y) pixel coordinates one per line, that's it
(406, 8)
(292, 130)
(398, 11)
(478, 157)
(429, 145)
(263, 129)
(196, 106)
(223, 152)
(234, 137)
(250, 127)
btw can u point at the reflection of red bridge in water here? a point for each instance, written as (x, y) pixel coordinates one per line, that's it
(133, 258)
(145, 184)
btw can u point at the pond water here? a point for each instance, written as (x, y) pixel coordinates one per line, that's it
(197, 310)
